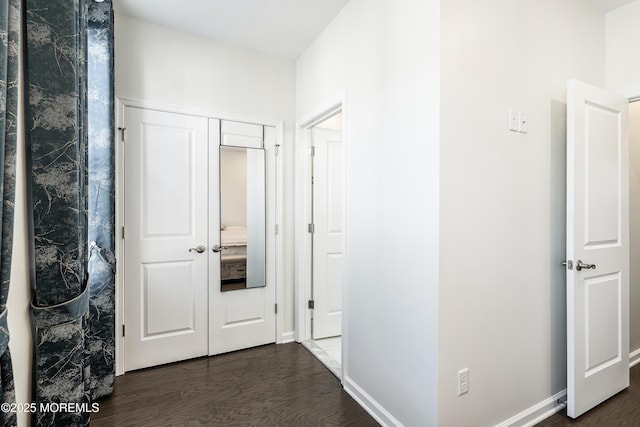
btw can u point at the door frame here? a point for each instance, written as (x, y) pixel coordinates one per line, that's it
(632, 96)
(634, 354)
(303, 216)
(121, 104)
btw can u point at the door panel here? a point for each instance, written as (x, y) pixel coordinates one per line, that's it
(327, 237)
(162, 296)
(239, 134)
(167, 196)
(598, 235)
(243, 308)
(603, 173)
(165, 216)
(602, 316)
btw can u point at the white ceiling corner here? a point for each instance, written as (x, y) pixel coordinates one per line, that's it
(280, 27)
(609, 5)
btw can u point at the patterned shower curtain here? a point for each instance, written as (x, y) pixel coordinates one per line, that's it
(70, 149)
(9, 52)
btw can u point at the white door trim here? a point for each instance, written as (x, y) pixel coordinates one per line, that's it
(121, 103)
(632, 96)
(634, 353)
(303, 217)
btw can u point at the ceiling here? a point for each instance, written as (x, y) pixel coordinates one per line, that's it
(280, 27)
(609, 5)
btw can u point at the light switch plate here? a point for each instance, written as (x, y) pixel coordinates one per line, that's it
(463, 381)
(514, 120)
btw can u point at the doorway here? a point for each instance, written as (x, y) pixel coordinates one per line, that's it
(325, 229)
(634, 229)
(180, 257)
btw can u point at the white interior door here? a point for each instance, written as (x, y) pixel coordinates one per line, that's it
(165, 215)
(244, 317)
(327, 233)
(598, 236)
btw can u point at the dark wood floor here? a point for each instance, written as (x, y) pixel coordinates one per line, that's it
(273, 385)
(623, 409)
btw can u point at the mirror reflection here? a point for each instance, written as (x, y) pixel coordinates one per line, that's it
(242, 217)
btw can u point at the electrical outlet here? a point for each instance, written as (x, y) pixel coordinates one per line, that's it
(463, 381)
(523, 125)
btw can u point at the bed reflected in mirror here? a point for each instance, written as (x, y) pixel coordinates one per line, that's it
(242, 217)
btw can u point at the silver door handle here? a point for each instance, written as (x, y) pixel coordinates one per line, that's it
(580, 266)
(199, 249)
(218, 248)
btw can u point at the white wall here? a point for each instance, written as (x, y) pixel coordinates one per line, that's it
(502, 229)
(623, 49)
(233, 186)
(159, 64)
(333, 123)
(385, 55)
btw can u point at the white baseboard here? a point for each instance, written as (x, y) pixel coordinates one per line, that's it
(533, 415)
(374, 409)
(287, 337)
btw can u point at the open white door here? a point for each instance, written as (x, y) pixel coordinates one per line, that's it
(597, 246)
(327, 233)
(166, 222)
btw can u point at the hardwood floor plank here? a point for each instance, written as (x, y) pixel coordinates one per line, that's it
(273, 385)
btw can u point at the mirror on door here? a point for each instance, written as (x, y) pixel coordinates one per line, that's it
(242, 218)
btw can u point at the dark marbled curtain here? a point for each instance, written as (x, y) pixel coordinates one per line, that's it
(9, 57)
(68, 115)
(101, 192)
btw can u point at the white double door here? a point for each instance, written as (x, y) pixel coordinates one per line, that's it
(174, 306)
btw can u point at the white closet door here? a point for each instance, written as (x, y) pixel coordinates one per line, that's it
(327, 235)
(245, 317)
(597, 246)
(165, 216)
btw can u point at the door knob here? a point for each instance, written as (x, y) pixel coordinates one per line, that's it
(199, 249)
(218, 248)
(580, 266)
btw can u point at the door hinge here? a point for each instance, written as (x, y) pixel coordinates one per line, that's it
(312, 151)
(311, 304)
(277, 149)
(123, 330)
(277, 229)
(122, 232)
(122, 133)
(311, 228)
(276, 308)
